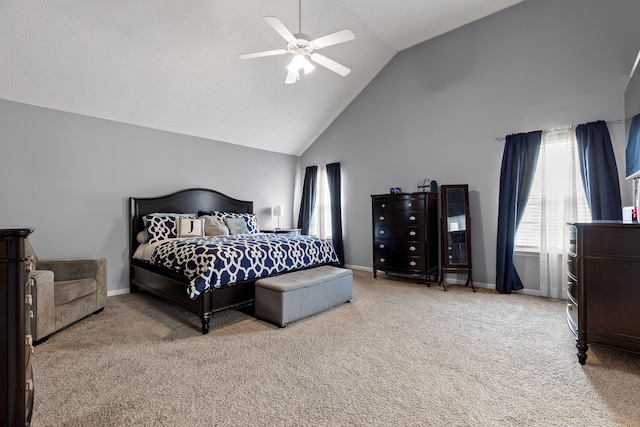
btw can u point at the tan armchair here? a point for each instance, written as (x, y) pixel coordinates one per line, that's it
(65, 291)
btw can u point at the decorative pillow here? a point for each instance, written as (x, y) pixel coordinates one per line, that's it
(161, 226)
(250, 219)
(214, 227)
(237, 225)
(141, 237)
(190, 227)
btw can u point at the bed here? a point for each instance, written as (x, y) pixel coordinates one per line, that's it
(206, 287)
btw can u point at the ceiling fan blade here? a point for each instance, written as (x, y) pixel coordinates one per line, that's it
(334, 38)
(261, 54)
(280, 28)
(292, 77)
(330, 64)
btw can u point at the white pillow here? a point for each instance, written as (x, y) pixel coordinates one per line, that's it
(214, 227)
(190, 227)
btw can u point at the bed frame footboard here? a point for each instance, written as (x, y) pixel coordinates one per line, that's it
(209, 302)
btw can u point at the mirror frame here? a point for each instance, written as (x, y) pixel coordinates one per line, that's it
(445, 256)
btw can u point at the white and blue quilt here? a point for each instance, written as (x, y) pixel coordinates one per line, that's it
(222, 260)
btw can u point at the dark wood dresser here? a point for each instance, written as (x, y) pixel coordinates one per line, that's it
(405, 234)
(603, 304)
(16, 345)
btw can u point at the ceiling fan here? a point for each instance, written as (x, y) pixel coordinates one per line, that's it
(302, 48)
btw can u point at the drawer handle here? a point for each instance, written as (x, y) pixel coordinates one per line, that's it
(409, 204)
(381, 231)
(28, 340)
(450, 256)
(569, 306)
(412, 218)
(384, 205)
(381, 246)
(412, 263)
(29, 385)
(32, 282)
(412, 233)
(30, 314)
(381, 218)
(412, 248)
(28, 299)
(382, 260)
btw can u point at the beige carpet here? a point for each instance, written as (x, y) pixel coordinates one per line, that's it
(400, 354)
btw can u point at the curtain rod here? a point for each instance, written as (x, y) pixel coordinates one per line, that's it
(566, 127)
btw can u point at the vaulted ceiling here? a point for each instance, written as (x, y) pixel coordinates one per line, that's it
(173, 65)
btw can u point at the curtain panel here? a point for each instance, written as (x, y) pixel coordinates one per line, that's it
(309, 190)
(334, 180)
(516, 177)
(561, 188)
(599, 171)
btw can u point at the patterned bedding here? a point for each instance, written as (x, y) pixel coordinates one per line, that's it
(211, 262)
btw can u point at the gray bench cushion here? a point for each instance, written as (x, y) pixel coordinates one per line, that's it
(292, 296)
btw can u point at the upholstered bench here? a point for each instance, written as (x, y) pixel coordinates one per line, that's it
(292, 296)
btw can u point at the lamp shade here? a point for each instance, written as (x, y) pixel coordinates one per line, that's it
(277, 210)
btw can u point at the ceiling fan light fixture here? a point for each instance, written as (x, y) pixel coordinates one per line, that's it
(308, 67)
(302, 49)
(298, 63)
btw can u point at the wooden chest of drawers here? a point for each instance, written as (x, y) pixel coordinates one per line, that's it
(16, 376)
(603, 293)
(405, 234)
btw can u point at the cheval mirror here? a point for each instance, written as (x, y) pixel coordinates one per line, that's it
(456, 233)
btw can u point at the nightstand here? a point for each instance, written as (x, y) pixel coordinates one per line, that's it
(295, 231)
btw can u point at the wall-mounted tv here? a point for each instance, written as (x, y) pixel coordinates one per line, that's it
(632, 114)
(633, 149)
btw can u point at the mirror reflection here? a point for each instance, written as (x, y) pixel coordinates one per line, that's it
(456, 226)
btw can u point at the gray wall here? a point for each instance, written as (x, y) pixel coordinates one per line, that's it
(436, 110)
(70, 177)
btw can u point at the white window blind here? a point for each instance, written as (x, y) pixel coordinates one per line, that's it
(320, 224)
(557, 168)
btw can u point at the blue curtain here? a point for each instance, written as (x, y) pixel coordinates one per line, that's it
(334, 180)
(516, 177)
(309, 190)
(599, 171)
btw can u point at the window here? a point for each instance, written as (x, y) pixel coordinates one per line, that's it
(557, 195)
(320, 224)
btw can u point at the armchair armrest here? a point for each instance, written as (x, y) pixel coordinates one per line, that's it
(80, 268)
(44, 305)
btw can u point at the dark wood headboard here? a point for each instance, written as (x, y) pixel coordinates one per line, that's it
(192, 200)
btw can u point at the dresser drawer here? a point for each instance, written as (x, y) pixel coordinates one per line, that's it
(572, 266)
(611, 242)
(398, 247)
(573, 291)
(395, 217)
(401, 232)
(406, 264)
(28, 387)
(572, 317)
(398, 202)
(572, 240)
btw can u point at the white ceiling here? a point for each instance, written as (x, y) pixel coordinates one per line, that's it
(173, 65)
